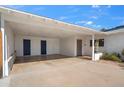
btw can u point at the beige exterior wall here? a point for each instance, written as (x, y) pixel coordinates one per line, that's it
(115, 42)
(64, 46)
(112, 43)
(52, 45)
(1, 62)
(68, 46)
(10, 41)
(88, 49)
(83, 38)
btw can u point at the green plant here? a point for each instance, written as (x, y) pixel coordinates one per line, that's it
(114, 58)
(116, 54)
(111, 56)
(122, 52)
(105, 55)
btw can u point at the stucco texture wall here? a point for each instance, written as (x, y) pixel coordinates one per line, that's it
(10, 40)
(52, 45)
(88, 49)
(68, 46)
(115, 43)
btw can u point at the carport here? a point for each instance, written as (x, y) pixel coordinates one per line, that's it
(56, 37)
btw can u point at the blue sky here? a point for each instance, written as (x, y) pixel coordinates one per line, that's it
(92, 16)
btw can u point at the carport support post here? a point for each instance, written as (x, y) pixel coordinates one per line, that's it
(93, 50)
(4, 47)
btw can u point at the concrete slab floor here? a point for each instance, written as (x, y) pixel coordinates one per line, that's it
(73, 71)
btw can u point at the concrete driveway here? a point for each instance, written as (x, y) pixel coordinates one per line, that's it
(65, 72)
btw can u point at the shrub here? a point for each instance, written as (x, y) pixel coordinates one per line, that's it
(117, 55)
(111, 56)
(122, 52)
(114, 58)
(105, 56)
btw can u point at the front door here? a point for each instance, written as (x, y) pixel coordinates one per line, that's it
(43, 47)
(26, 47)
(79, 47)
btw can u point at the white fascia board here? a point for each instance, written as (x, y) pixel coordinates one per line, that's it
(8, 10)
(114, 32)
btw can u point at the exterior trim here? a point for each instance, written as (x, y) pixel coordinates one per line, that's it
(4, 48)
(1, 54)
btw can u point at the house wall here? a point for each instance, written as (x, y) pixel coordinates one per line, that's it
(1, 54)
(68, 46)
(83, 38)
(10, 40)
(88, 48)
(115, 42)
(52, 45)
(10, 46)
(112, 43)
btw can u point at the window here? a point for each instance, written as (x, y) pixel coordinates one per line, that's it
(101, 42)
(91, 42)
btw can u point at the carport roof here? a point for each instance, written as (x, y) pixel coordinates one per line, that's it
(15, 17)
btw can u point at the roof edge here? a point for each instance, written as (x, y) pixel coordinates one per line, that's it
(34, 15)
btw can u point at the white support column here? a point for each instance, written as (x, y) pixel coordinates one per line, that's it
(4, 46)
(93, 50)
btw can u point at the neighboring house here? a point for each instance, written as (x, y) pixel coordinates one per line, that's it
(26, 34)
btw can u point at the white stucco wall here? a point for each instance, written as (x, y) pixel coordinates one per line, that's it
(112, 43)
(64, 46)
(115, 42)
(68, 46)
(83, 38)
(52, 45)
(88, 48)
(10, 40)
(10, 47)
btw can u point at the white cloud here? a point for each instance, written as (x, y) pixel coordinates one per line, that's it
(80, 22)
(94, 17)
(63, 17)
(67, 17)
(95, 6)
(84, 22)
(96, 26)
(89, 22)
(98, 6)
